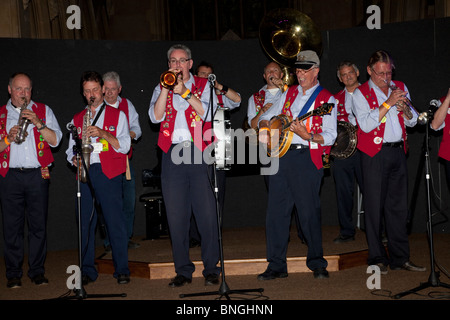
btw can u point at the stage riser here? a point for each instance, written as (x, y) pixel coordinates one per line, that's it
(234, 267)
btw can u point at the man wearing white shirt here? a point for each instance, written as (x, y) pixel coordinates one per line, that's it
(183, 113)
(24, 179)
(110, 138)
(345, 171)
(383, 114)
(112, 88)
(298, 180)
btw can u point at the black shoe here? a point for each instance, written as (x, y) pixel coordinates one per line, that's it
(321, 273)
(14, 283)
(408, 265)
(270, 275)
(39, 279)
(133, 245)
(179, 281)
(211, 279)
(123, 279)
(86, 280)
(341, 239)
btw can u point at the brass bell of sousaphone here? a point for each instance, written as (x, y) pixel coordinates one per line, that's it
(283, 33)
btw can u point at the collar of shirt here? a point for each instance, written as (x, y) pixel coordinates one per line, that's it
(10, 106)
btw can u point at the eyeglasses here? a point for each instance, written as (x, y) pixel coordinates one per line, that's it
(305, 71)
(181, 61)
(382, 74)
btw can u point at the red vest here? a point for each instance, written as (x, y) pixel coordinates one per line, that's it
(259, 98)
(342, 114)
(323, 97)
(44, 153)
(370, 143)
(192, 118)
(444, 149)
(113, 163)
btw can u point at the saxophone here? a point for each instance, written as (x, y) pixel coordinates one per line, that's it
(86, 147)
(23, 124)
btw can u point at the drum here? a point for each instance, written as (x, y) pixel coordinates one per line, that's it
(223, 144)
(346, 141)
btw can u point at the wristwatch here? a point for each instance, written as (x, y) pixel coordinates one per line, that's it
(312, 137)
(189, 95)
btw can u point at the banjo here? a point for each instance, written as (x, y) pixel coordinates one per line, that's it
(280, 135)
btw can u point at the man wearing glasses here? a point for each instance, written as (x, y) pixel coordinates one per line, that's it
(183, 113)
(297, 182)
(382, 111)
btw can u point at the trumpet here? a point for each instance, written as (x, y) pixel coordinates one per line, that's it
(169, 79)
(23, 124)
(408, 111)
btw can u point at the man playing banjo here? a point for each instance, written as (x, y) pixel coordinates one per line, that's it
(346, 158)
(298, 180)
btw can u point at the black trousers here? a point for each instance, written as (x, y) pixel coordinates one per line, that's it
(345, 172)
(187, 189)
(24, 197)
(297, 183)
(385, 179)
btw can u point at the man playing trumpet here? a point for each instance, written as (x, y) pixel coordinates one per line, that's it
(182, 112)
(382, 120)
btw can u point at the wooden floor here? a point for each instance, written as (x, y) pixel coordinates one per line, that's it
(244, 254)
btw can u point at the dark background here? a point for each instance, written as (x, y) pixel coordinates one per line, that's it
(420, 50)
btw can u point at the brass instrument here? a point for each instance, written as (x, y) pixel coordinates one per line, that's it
(283, 33)
(169, 79)
(86, 147)
(408, 111)
(22, 123)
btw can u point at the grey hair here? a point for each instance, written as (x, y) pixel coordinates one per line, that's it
(112, 76)
(179, 47)
(346, 64)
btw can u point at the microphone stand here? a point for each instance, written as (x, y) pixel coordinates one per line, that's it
(224, 289)
(433, 279)
(80, 293)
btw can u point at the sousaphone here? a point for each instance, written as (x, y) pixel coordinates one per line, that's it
(283, 33)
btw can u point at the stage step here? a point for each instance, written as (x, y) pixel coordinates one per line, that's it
(234, 267)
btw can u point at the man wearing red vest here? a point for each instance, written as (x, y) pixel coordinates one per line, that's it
(24, 179)
(113, 87)
(229, 99)
(182, 112)
(297, 182)
(267, 96)
(440, 121)
(383, 114)
(110, 139)
(345, 171)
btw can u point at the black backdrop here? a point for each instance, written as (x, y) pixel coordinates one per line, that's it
(419, 48)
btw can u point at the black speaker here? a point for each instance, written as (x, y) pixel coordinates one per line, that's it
(155, 213)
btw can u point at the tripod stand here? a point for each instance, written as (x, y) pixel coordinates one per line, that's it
(433, 279)
(224, 289)
(80, 292)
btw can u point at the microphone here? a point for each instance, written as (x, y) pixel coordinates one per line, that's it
(427, 116)
(212, 77)
(70, 127)
(434, 103)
